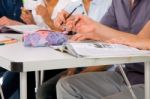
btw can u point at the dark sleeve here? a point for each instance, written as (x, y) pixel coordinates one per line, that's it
(1, 9)
(109, 19)
(17, 10)
(11, 9)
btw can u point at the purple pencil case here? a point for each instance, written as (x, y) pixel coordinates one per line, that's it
(43, 38)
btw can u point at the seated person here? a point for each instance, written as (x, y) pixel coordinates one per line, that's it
(140, 41)
(100, 7)
(115, 24)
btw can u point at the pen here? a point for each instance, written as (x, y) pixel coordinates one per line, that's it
(70, 14)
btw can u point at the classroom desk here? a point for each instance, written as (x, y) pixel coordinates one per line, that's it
(16, 57)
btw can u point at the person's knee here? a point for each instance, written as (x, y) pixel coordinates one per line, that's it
(64, 84)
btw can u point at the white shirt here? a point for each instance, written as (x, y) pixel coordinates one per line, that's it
(38, 19)
(59, 6)
(97, 9)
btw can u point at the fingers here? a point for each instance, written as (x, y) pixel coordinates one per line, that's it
(5, 21)
(27, 17)
(60, 19)
(78, 37)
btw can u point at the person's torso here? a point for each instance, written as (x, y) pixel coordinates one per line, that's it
(132, 21)
(11, 9)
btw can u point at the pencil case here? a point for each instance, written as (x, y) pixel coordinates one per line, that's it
(43, 38)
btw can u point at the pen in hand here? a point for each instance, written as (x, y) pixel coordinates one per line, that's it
(76, 22)
(70, 14)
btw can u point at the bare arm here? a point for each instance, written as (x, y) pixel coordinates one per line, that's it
(94, 30)
(145, 32)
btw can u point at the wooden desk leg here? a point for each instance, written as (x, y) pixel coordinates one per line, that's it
(23, 85)
(147, 80)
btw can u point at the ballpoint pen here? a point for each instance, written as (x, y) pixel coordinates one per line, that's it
(70, 14)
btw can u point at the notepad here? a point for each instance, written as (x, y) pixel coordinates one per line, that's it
(21, 28)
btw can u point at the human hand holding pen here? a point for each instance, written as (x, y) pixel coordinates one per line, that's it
(85, 28)
(61, 18)
(27, 16)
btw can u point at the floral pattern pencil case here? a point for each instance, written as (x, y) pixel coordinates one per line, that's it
(44, 38)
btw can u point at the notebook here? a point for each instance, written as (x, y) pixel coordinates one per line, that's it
(98, 49)
(20, 28)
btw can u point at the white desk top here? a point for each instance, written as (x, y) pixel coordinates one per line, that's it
(16, 57)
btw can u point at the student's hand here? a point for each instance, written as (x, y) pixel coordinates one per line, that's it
(81, 37)
(86, 28)
(42, 11)
(6, 21)
(27, 16)
(60, 19)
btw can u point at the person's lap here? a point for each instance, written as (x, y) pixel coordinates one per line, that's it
(138, 90)
(48, 88)
(90, 85)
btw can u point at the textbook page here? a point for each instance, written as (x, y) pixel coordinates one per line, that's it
(101, 49)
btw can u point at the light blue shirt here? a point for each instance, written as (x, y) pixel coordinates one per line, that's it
(97, 9)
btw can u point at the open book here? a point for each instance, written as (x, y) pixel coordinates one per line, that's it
(97, 49)
(20, 28)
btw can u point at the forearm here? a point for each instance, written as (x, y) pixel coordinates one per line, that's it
(145, 31)
(106, 33)
(50, 24)
(16, 23)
